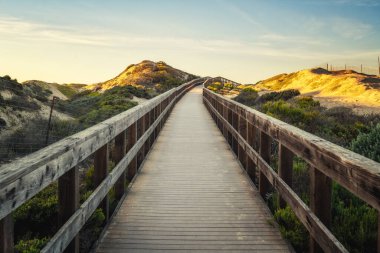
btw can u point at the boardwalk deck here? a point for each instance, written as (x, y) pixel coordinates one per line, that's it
(192, 195)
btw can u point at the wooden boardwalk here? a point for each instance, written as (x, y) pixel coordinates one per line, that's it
(192, 195)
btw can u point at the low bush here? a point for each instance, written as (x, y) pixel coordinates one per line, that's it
(247, 96)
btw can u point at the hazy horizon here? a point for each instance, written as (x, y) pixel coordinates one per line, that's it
(246, 41)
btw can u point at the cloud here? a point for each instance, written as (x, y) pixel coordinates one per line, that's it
(10, 26)
(350, 29)
(360, 3)
(290, 39)
(242, 14)
(267, 44)
(367, 3)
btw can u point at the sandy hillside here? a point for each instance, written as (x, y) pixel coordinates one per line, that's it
(332, 88)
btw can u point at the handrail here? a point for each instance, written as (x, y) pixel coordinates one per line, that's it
(241, 125)
(24, 178)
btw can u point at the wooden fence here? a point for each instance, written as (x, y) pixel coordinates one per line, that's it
(133, 132)
(250, 134)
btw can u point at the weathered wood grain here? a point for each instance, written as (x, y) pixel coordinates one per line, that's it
(23, 178)
(357, 173)
(320, 201)
(317, 229)
(71, 228)
(6, 235)
(192, 194)
(285, 169)
(120, 149)
(265, 149)
(68, 202)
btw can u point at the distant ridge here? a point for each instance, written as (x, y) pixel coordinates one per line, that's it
(148, 74)
(344, 86)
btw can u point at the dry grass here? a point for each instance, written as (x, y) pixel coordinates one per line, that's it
(336, 87)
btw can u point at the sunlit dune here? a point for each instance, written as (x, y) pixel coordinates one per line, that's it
(332, 88)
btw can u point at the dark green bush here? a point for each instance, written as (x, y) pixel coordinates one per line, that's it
(247, 96)
(292, 229)
(278, 95)
(368, 144)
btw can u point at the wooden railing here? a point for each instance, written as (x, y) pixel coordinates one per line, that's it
(133, 133)
(250, 134)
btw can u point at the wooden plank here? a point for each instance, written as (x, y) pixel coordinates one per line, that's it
(177, 195)
(67, 232)
(100, 173)
(285, 169)
(68, 202)
(6, 232)
(320, 201)
(265, 149)
(316, 228)
(119, 151)
(38, 170)
(356, 173)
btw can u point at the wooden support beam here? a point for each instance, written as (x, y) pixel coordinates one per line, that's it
(320, 201)
(132, 138)
(6, 234)
(285, 169)
(235, 124)
(120, 151)
(265, 145)
(68, 202)
(251, 135)
(229, 119)
(242, 128)
(100, 173)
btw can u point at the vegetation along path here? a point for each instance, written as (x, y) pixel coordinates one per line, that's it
(192, 195)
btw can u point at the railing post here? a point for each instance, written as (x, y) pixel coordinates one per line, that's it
(320, 201)
(68, 202)
(100, 173)
(243, 132)
(120, 150)
(225, 116)
(140, 132)
(251, 135)
(229, 119)
(132, 136)
(285, 169)
(265, 145)
(235, 124)
(6, 234)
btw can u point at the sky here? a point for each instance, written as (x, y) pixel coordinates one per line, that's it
(243, 40)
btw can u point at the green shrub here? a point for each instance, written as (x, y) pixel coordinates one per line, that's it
(40, 213)
(31, 246)
(292, 229)
(247, 96)
(368, 144)
(278, 95)
(354, 222)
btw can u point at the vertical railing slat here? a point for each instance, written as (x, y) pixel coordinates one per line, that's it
(265, 146)
(131, 140)
(320, 201)
(285, 169)
(100, 173)
(68, 202)
(6, 235)
(119, 151)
